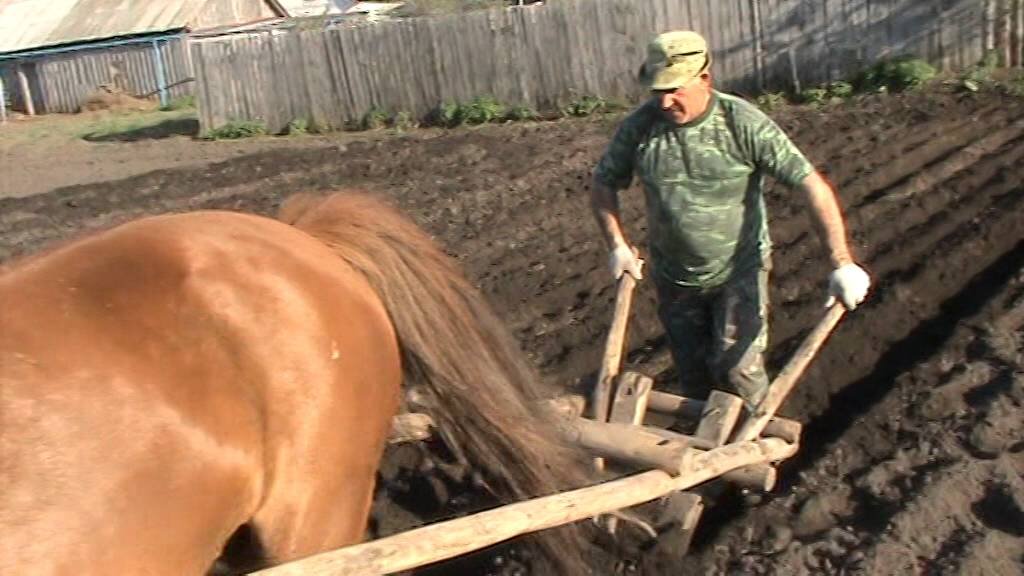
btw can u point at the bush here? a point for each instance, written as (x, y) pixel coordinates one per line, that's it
(480, 110)
(237, 129)
(375, 119)
(403, 121)
(771, 101)
(1015, 87)
(979, 75)
(814, 96)
(298, 127)
(585, 106)
(445, 115)
(895, 75)
(517, 113)
(840, 89)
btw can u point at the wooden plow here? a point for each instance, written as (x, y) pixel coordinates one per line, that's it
(632, 427)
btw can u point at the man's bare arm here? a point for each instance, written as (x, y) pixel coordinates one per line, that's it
(622, 258)
(827, 218)
(604, 201)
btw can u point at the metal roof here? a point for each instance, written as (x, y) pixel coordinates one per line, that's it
(301, 8)
(27, 24)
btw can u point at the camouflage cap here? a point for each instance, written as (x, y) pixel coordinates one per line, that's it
(674, 59)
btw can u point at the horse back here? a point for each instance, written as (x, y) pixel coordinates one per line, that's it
(160, 379)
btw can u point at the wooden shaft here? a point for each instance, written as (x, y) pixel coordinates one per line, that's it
(680, 406)
(663, 403)
(612, 360)
(691, 441)
(788, 430)
(411, 427)
(787, 378)
(444, 540)
(761, 477)
(629, 444)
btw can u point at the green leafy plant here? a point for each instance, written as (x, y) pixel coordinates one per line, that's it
(374, 119)
(814, 96)
(521, 112)
(895, 75)
(771, 101)
(445, 115)
(480, 110)
(585, 106)
(403, 121)
(237, 129)
(840, 89)
(298, 127)
(981, 74)
(1015, 86)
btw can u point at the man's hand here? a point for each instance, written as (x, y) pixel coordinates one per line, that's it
(849, 284)
(625, 258)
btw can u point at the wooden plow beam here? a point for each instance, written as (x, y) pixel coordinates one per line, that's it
(446, 540)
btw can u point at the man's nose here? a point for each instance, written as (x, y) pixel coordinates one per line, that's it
(666, 101)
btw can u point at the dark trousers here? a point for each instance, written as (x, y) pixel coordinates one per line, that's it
(718, 336)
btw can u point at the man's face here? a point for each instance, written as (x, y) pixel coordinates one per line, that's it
(686, 103)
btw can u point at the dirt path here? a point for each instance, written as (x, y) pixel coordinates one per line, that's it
(912, 455)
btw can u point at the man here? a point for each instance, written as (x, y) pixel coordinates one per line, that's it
(702, 157)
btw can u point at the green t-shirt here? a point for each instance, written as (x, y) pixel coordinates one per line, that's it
(704, 185)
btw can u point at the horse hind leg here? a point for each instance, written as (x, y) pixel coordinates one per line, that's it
(304, 517)
(243, 553)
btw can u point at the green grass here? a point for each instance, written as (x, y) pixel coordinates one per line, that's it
(180, 103)
(118, 124)
(236, 129)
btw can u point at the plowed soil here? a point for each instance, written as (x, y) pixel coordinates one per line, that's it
(913, 449)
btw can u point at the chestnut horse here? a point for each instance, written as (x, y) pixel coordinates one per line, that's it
(170, 381)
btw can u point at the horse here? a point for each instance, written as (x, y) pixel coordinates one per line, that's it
(171, 381)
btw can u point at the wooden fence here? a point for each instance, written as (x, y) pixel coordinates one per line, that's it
(60, 81)
(545, 56)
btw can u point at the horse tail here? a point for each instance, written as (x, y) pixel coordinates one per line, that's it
(483, 394)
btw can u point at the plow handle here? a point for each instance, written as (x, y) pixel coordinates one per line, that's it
(787, 378)
(614, 346)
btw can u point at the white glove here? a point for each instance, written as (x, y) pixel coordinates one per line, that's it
(624, 258)
(849, 284)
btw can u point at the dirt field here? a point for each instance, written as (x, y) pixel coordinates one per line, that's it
(913, 451)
